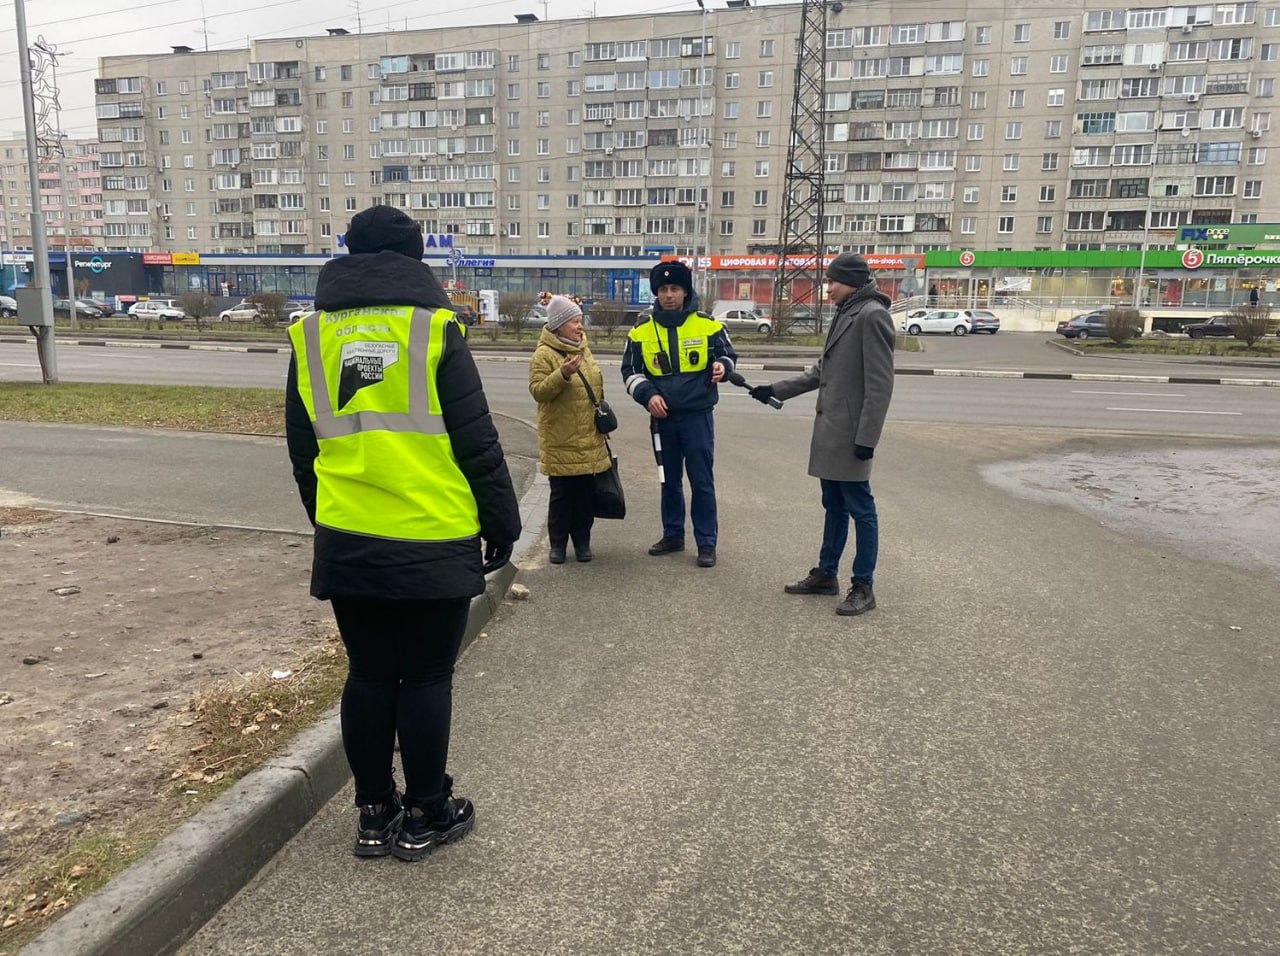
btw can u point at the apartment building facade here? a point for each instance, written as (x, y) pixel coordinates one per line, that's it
(72, 207)
(1057, 125)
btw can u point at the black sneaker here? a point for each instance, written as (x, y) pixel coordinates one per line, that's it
(706, 557)
(667, 546)
(859, 600)
(557, 554)
(378, 827)
(816, 582)
(420, 836)
(583, 553)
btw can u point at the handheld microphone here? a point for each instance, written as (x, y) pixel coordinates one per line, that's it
(735, 378)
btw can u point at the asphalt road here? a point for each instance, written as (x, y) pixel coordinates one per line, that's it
(1057, 733)
(1164, 409)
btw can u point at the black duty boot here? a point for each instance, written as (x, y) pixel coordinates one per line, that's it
(706, 556)
(379, 826)
(557, 554)
(422, 833)
(667, 546)
(816, 581)
(582, 550)
(859, 600)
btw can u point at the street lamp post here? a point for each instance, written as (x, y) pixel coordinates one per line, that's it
(39, 304)
(1146, 222)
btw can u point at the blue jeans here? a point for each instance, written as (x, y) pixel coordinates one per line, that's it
(689, 445)
(844, 500)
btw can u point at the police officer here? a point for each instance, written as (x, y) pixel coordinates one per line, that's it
(399, 467)
(672, 366)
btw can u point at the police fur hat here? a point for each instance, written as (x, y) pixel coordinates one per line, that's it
(384, 227)
(672, 273)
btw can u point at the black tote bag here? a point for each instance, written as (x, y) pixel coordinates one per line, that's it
(607, 498)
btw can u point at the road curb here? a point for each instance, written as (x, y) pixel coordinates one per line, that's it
(165, 897)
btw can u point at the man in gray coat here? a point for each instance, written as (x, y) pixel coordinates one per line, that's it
(854, 378)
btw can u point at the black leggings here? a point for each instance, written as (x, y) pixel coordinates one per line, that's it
(400, 681)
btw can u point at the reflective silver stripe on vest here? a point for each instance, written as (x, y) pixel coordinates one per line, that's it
(417, 420)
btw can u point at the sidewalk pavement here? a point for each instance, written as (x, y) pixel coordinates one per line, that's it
(1030, 746)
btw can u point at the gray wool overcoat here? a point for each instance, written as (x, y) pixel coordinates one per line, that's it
(854, 379)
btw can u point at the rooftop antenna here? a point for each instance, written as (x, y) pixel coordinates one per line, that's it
(359, 21)
(204, 26)
(546, 15)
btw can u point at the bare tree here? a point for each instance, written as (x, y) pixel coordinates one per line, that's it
(608, 315)
(198, 305)
(783, 319)
(270, 307)
(82, 288)
(1123, 324)
(517, 309)
(1251, 323)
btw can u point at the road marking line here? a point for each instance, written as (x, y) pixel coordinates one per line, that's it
(1173, 411)
(1108, 377)
(1078, 391)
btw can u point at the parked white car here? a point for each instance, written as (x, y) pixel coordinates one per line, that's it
(245, 311)
(8, 305)
(156, 309)
(946, 321)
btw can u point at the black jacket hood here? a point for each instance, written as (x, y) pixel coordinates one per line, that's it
(378, 278)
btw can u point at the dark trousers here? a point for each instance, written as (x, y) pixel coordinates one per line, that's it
(689, 445)
(400, 683)
(843, 500)
(569, 513)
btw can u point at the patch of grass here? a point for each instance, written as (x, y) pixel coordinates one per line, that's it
(1158, 346)
(242, 723)
(255, 411)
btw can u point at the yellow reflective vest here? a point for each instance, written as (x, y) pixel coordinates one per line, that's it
(386, 468)
(694, 342)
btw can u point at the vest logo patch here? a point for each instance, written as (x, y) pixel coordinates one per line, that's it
(363, 363)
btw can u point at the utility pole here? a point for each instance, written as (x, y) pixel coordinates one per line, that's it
(804, 184)
(35, 304)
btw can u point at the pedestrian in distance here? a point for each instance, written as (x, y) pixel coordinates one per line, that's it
(1253, 296)
(854, 378)
(563, 378)
(672, 365)
(399, 467)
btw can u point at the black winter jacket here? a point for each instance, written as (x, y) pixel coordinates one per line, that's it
(351, 565)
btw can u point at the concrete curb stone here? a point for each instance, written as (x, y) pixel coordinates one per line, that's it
(162, 899)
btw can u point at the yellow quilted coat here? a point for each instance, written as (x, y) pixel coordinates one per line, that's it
(568, 443)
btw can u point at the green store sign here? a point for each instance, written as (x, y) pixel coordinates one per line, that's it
(1189, 259)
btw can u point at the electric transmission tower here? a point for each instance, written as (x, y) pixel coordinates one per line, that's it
(801, 242)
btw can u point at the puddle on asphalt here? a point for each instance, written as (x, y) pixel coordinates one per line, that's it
(1223, 502)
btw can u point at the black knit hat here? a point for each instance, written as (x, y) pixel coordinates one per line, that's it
(672, 273)
(384, 227)
(849, 268)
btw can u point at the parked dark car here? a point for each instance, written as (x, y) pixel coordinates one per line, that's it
(106, 308)
(1217, 326)
(84, 309)
(1089, 325)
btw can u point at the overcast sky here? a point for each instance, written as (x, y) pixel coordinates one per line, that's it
(84, 30)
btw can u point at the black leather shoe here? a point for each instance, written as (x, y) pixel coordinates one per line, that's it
(706, 557)
(859, 600)
(420, 835)
(379, 826)
(816, 582)
(583, 554)
(667, 546)
(557, 554)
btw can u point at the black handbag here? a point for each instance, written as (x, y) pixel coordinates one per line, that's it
(606, 418)
(607, 498)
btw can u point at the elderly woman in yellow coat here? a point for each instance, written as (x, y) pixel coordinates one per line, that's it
(570, 448)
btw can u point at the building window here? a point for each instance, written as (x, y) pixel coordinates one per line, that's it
(1044, 224)
(975, 132)
(1252, 188)
(1004, 225)
(1011, 161)
(1048, 193)
(971, 194)
(1008, 193)
(733, 50)
(973, 164)
(1057, 97)
(1053, 129)
(766, 48)
(968, 225)
(982, 36)
(981, 67)
(1022, 33)
(1017, 99)
(759, 227)
(1013, 131)
(1018, 66)
(766, 79)
(1048, 162)
(978, 100)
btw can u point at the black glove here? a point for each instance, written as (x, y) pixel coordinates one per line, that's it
(496, 554)
(863, 452)
(761, 393)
